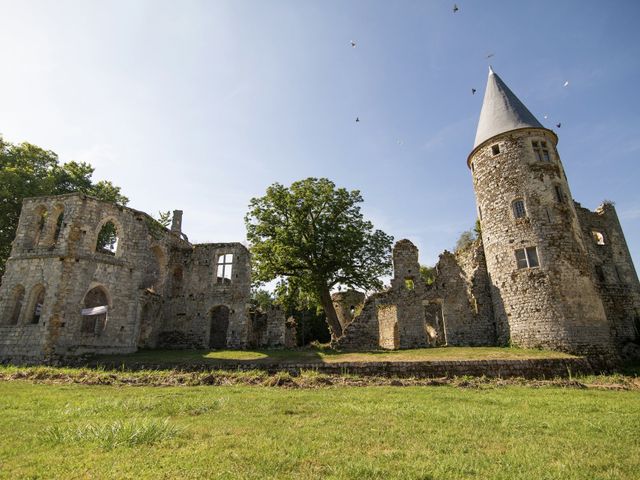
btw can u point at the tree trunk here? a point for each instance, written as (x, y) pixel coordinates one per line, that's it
(330, 312)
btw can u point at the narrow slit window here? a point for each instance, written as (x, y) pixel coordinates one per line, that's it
(559, 194)
(224, 268)
(600, 274)
(518, 209)
(495, 149)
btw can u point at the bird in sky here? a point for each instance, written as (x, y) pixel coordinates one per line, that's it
(566, 83)
(473, 91)
(353, 44)
(455, 8)
(490, 55)
(357, 119)
(558, 125)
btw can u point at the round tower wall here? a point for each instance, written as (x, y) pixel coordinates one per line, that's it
(553, 304)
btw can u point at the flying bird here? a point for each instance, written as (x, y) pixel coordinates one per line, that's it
(353, 44)
(455, 8)
(357, 119)
(566, 84)
(473, 91)
(558, 125)
(490, 55)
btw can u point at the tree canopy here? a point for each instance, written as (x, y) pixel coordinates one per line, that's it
(29, 171)
(314, 234)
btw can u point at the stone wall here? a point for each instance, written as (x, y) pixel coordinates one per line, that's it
(613, 272)
(455, 310)
(348, 304)
(556, 304)
(156, 287)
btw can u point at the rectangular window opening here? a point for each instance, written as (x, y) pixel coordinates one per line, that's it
(495, 149)
(559, 194)
(224, 268)
(527, 257)
(518, 209)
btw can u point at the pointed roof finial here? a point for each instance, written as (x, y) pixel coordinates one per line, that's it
(501, 111)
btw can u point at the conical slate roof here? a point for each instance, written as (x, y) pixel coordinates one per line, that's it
(501, 111)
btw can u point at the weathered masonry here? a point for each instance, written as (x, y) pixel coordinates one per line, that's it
(547, 273)
(87, 276)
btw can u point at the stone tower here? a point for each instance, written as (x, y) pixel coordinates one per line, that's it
(542, 285)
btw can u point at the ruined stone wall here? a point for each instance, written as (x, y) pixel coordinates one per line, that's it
(613, 272)
(462, 289)
(455, 310)
(68, 267)
(158, 289)
(554, 305)
(197, 295)
(348, 304)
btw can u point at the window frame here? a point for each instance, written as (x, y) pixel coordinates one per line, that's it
(541, 150)
(221, 261)
(528, 255)
(515, 210)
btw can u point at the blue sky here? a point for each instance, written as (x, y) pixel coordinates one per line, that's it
(200, 105)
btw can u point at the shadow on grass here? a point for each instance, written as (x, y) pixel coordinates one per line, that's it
(318, 354)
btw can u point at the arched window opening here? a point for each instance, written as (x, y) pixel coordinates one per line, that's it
(16, 305)
(41, 221)
(518, 208)
(58, 229)
(94, 313)
(108, 239)
(598, 237)
(36, 304)
(219, 326)
(157, 268)
(176, 282)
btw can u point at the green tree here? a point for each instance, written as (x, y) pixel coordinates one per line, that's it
(428, 274)
(314, 234)
(164, 219)
(30, 171)
(466, 239)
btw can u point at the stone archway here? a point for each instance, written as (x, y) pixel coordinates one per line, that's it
(219, 317)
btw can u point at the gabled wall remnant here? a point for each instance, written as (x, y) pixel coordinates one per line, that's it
(454, 310)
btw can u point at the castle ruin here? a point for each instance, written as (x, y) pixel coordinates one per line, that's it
(85, 276)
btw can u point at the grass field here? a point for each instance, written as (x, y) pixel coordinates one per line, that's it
(78, 431)
(324, 355)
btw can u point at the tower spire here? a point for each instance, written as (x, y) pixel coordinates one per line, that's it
(501, 111)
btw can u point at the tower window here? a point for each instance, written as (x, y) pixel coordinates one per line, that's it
(600, 274)
(541, 151)
(598, 237)
(559, 194)
(527, 257)
(518, 209)
(495, 149)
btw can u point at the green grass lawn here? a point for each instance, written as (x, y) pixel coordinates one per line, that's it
(320, 355)
(76, 431)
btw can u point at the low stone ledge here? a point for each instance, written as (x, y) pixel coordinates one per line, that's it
(525, 368)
